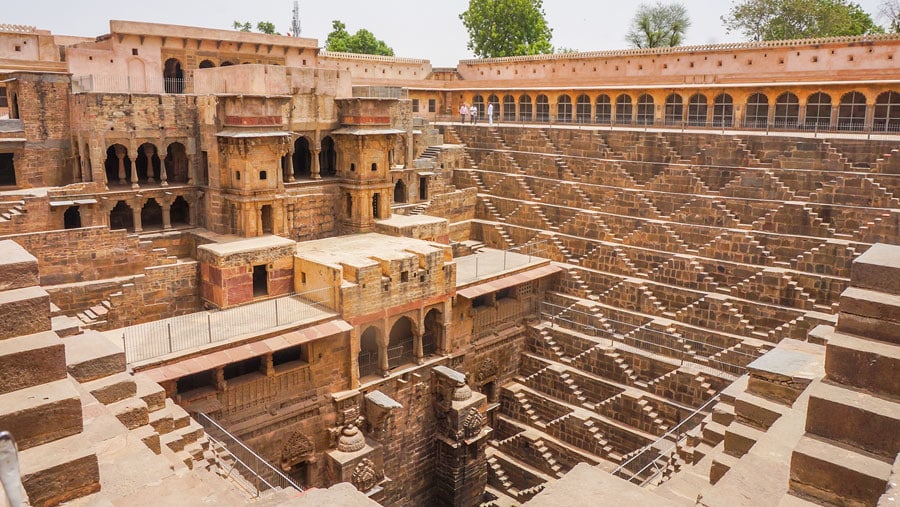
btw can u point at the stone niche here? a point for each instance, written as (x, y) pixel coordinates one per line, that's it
(242, 271)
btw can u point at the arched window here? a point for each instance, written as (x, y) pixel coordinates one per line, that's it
(151, 215)
(400, 345)
(852, 112)
(583, 109)
(121, 217)
(674, 109)
(493, 99)
(645, 109)
(302, 158)
(368, 352)
(173, 75)
(887, 112)
(180, 212)
(542, 109)
(117, 164)
(564, 109)
(72, 218)
(478, 102)
(818, 111)
(525, 111)
(787, 111)
(723, 111)
(756, 114)
(434, 332)
(328, 158)
(509, 108)
(177, 164)
(603, 109)
(697, 110)
(400, 192)
(207, 64)
(623, 109)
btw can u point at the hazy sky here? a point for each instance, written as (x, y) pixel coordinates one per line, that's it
(416, 29)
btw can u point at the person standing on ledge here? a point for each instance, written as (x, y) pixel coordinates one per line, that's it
(463, 112)
(491, 114)
(474, 112)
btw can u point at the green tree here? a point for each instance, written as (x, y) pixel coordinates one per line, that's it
(362, 42)
(261, 27)
(500, 28)
(890, 11)
(657, 26)
(798, 19)
(242, 27)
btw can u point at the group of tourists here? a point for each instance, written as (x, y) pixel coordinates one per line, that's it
(469, 113)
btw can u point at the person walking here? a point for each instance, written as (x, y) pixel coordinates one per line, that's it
(463, 112)
(474, 112)
(491, 114)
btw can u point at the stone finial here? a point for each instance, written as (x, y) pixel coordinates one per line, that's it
(351, 439)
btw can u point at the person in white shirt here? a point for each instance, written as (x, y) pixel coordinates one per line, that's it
(473, 111)
(463, 112)
(491, 114)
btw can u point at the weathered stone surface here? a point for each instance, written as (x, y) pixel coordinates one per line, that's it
(18, 268)
(41, 413)
(31, 360)
(91, 356)
(24, 311)
(59, 471)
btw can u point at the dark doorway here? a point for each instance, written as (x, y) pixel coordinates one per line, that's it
(121, 217)
(260, 281)
(328, 158)
(400, 345)
(488, 389)
(368, 352)
(147, 162)
(434, 332)
(302, 158)
(151, 215)
(7, 170)
(180, 212)
(400, 191)
(423, 188)
(112, 164)
(267, 220)
(177, 166)
(72, 218)
(300, 473)
(173, 76)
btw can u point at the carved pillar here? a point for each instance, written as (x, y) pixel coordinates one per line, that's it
(134, 176)
(314, 170)
(166, 214)
(120, 154)
(191, 160)
(383, 363)
(136, 217)
(290, 166)
(418, 353)
(163, 173)
(148, 154)
(259, 221)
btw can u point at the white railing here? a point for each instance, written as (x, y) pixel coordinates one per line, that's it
(127, 84)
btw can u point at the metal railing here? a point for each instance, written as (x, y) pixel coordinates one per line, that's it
(252, 467)
(158, 338)
(489, 262)
(127, 84)
(648, 457)
(661, 344)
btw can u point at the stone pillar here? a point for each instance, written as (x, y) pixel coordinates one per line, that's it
(290, 166)
(870, 116)
(163, 173)
(192, 159)
(134, 175)
(166, 214)
(268, 365)
(120, 154)
(354, 357)
(136, 218)
(418, 352)
(410, 149)
(314, 169)
(148, 154)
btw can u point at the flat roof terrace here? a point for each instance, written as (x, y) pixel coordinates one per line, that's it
(362, 249)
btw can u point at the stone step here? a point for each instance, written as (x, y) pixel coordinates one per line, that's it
(162, 421)
(24, 311)
(723, 414)
(132, 412)
(42, 413)
(18, 268)
(91, 356)
(756, 411)
(834, 474)
(855, 418)
(173, 441)
(739, 438)
(191, 433)
(113, 388)
(59, 471)
(149, 437)
(63, 325)
(713, 433)
(877, 269)
(720, 465)
(152, 393)
(180, 416)
(870, 365)
(870, 313)
(31, 360)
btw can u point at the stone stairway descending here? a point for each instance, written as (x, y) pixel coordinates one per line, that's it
(853, 419)
(10, 211)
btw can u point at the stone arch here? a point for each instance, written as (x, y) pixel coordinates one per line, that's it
(328, 158)
(177, 163)
(756, 112)
(173, 76)
(137, 75)
(602, 109)
(542, 109)
(151, 214)
(624, 109)
(180, 211)
(400, 192)
(818, 111)
(887, 112)
(698, 109)
(674, 114)
(298, 447)
(723, 111)
(787, 111)
(147, 162)
(206, 64)
(526, 112)
(369, 347)
(302, 158)
(227, 63)
(852, 111)
(401, 342)
(495, 101)
(72, 218)
(509, 108)
(564, 109)
(117, 164)
(433, 335)
(583, 109)
(478, 102)
(121, 217)
(645, 107)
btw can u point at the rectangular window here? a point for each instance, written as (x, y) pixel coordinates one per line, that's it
(415, 105)
(432, 105)
(4, 102)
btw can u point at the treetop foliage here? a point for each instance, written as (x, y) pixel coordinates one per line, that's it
(362, 42)
(261, 27)
(499, 28)
(762, 20)
(660, 25)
